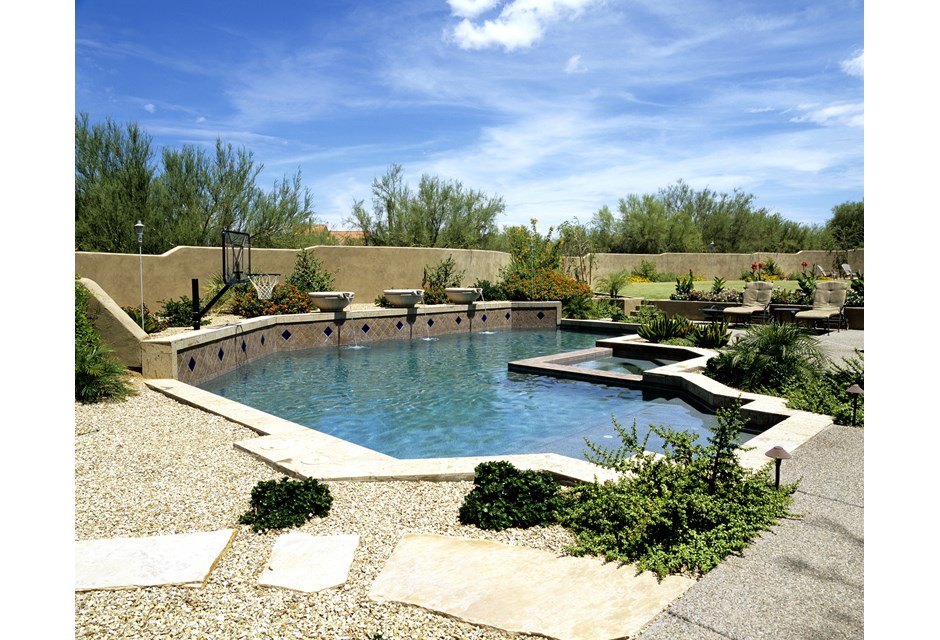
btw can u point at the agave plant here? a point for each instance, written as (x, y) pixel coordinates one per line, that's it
(664, 328)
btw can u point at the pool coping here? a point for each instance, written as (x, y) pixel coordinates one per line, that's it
(302, 452)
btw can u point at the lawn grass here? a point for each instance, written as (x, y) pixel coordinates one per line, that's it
(662, 290)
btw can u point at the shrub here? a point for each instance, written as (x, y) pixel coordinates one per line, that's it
(444, 274)
(544, 284)
(152, 322)
(826, 394)
(285, 299)
(504, 496)
(718, 285)
(767, 357)
(286, 503)
(646, 270)
(491, 291)
(382, 301)
(856, 295)
(309, 273)
(685, 285)
(646, 313)
(612, 284)
(725, 295)
(588, 308)
(98, 376)
(179, 313)
(682, 511)
(662, 328)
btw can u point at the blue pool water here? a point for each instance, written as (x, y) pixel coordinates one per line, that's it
(451, 396)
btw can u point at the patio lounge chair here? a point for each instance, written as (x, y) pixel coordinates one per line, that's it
(847, 271)
(828, 305)
(822, 272)
(755, 305)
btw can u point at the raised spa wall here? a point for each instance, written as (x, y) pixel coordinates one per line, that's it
(198, 356)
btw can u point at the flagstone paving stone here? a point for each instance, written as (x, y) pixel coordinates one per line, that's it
(124, 563)
(302, 562)
(524, 590)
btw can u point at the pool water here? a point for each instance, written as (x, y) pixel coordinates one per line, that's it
(451, 396)
(625, 365)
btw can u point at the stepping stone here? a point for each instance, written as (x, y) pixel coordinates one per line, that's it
(302, 562)
(125, 563)
(523, 590)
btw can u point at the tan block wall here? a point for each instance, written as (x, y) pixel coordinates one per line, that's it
(367, 271)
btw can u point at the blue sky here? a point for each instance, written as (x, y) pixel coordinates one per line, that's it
(558, 106)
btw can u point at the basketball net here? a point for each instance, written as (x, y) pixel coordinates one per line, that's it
(264, 283)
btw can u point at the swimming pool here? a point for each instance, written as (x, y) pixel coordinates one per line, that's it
(451, 396)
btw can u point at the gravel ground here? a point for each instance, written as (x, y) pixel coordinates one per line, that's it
(151, 466)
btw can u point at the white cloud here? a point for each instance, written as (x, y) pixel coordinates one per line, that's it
(847, 114)
(471, 8)
(854, 66)
(520, 23)
(574, 65)
(150, 107)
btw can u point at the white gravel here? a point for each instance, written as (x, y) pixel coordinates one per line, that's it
(151, 466)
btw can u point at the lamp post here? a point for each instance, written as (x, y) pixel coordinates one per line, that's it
(855, 391)
(778, 454)
(139, 228)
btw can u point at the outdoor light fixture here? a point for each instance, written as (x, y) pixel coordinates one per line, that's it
(778, 454)
(139, 228)
(855, 391)
(712, 245)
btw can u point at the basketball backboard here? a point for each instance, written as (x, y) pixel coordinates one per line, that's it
(236, 257)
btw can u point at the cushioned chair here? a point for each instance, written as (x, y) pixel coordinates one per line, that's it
(755, 305)
(828, 305)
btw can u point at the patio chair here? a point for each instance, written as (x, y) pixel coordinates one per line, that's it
(828, 305)
(847, 271)
(823, 273)
(756, 303)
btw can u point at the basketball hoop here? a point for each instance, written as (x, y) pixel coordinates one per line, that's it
(264, 283)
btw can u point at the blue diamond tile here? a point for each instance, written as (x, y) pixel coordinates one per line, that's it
(483, 317)
(286, 335)
(400, 325)
(192, 364)
(262, 341)
(430, 322)
(328, 331)
(244, 347)
(507, 315)
(540, 315)
(458, 320)
(221, 354)
(365, 328)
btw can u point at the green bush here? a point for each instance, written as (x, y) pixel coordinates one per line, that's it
(285, 299)
(856, 294)
(685, 285)
(438, 278)
(662, 328)
(543, 284)
(179, 313)
(152, 322)
(768, 357)
(647, 271)
(491, 291)
(286, 503)
(504, 496)
(679, 512)
(646, 313)
(309, 274)
(98, 376)
(826, 394)
(612, 284)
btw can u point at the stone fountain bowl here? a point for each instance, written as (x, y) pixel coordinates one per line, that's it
(331, 300)
(403, 297)
(463, 295)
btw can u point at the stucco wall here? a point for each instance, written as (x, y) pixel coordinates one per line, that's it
(367, 271)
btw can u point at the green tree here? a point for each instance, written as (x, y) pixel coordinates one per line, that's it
(113, 173)
(846, 227)
(439, 214)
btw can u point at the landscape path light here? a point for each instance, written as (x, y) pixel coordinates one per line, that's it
(139, 228)
(855, 391)
(778, 454)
